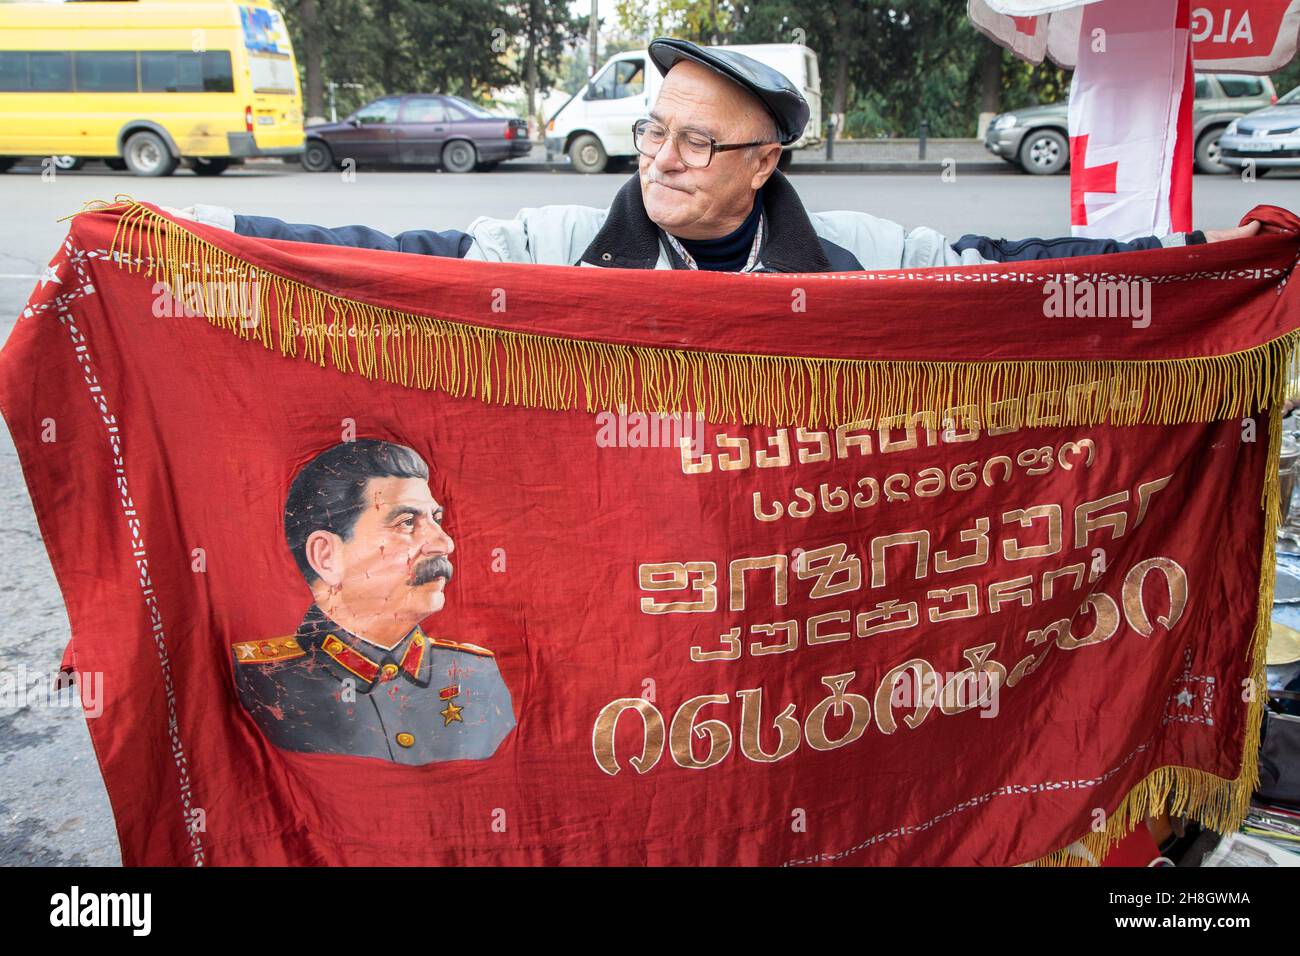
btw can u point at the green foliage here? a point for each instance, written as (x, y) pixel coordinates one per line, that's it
(892, 63)
(464, 47)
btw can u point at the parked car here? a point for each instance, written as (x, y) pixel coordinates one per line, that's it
(417, 129)
(1270, 136)
(1036, 138)
(594, 126)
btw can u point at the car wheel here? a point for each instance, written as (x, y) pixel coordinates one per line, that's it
(316, 157)
(210, 166)
(459, 156)
(1044, 152)
(115, 164)
(1207, 153)
(147, 155)
(588, 155)
(68, 163)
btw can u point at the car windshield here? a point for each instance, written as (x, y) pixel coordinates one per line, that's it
(1292, 97)
(472, 109)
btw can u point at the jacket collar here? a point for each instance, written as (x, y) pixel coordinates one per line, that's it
(365, 662)
(630, 240)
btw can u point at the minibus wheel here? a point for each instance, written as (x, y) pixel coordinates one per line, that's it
(316, 157)
(210, 166)
(147, 155)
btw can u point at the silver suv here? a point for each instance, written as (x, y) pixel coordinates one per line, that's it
(1036, 138)
(1270, 137)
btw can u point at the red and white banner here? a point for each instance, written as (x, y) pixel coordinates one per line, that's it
(1239, 36)
(1130, 170)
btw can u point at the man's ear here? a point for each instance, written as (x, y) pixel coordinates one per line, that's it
(767, 161)
(324, 552)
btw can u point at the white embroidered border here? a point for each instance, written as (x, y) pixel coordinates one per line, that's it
(84, 287)
(1011, 789)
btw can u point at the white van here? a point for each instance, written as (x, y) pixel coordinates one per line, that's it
(595, 125)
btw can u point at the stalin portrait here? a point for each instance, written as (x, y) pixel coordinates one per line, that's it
(360, 676)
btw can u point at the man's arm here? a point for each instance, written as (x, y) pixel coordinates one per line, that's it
(451, 243)
(1021, 250)
(973, 250)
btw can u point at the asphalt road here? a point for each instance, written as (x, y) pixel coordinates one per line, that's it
(53, 807)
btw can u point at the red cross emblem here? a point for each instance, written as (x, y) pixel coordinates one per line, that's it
(1086, 179)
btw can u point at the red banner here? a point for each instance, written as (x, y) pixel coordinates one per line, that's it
(395, 560)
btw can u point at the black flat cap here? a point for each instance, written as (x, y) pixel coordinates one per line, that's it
(782, 99)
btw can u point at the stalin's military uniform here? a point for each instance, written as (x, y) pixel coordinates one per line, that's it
(324, 690)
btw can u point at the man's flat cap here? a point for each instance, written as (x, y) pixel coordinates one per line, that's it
(781, 97)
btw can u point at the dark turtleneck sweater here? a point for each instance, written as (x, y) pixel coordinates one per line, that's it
(731, 252)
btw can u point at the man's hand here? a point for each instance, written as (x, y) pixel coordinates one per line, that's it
(1252, 228)
(188, 213)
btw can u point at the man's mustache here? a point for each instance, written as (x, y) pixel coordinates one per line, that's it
(430, 569)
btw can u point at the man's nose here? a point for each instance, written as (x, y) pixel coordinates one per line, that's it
(668, 158)
(437, 541)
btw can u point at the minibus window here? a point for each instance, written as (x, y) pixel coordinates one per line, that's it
(49, 72)
(183, 72)
(13, 70)
(106, 72)
(217, 75)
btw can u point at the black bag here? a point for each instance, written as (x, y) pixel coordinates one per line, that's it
(1279, 759)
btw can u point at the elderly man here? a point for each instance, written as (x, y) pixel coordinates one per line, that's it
(707, 195)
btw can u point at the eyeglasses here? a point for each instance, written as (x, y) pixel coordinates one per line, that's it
(695, 148)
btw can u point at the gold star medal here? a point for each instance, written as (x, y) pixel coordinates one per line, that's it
(451, 712)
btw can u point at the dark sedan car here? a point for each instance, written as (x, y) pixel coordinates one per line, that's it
(417, 129)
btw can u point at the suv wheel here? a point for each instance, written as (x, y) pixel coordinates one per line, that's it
(459, 156)
(1207, 153)
(588, 155)
(1044, 152)
(316, 157)
(147, 155)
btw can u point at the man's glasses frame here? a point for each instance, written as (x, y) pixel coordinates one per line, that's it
(639, 128)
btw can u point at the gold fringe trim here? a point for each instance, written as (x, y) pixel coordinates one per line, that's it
(1213, 801)
(538, 371)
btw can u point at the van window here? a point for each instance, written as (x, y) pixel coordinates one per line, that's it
(621, 79)
(1241, 85)
(110, 71)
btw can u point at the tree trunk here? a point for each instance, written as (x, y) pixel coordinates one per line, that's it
(840, 50)
(991, 78)
(313, 50)
(530, 69)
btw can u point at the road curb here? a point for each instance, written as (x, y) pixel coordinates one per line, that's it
(868, 166)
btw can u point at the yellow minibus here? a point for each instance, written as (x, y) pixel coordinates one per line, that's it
(147, 84)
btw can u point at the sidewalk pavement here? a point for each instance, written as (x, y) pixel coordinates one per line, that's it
(851, 156)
